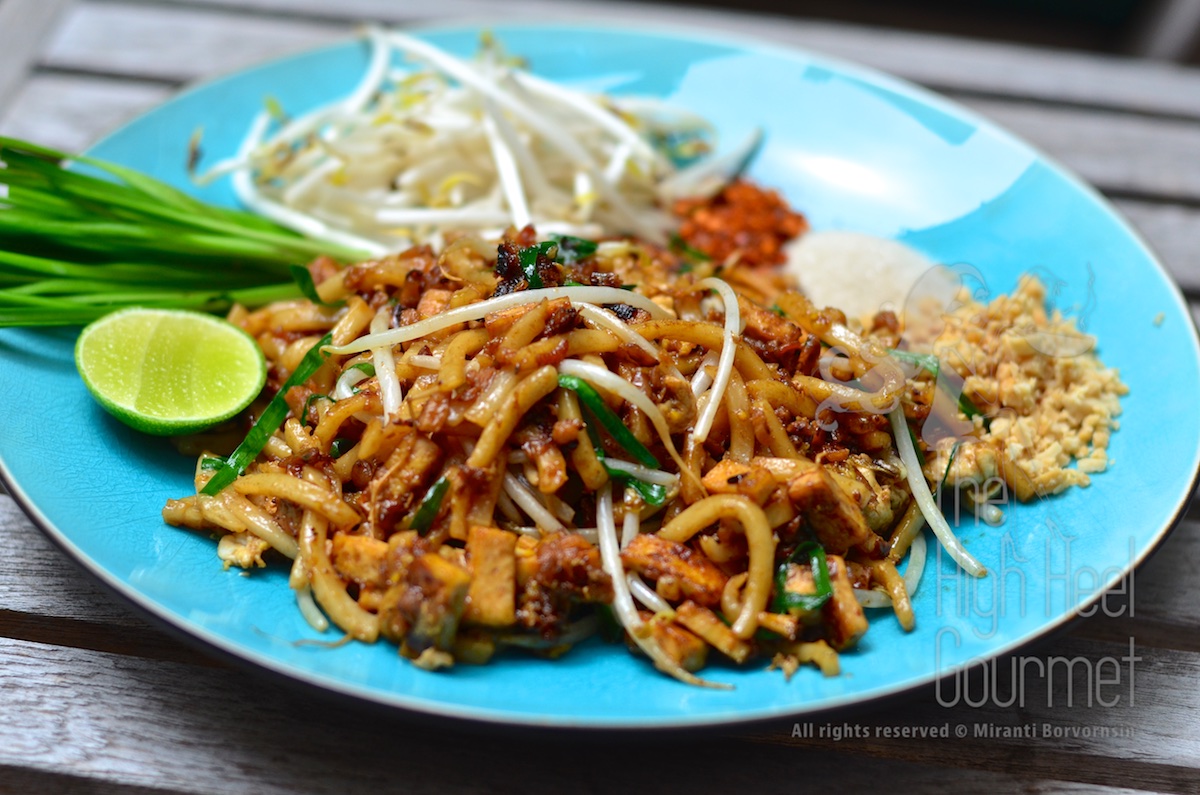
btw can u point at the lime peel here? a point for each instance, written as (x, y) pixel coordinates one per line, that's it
(169, 371)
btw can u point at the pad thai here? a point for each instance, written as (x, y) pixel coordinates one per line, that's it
(524, 430)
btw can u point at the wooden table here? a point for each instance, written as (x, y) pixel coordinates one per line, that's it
(94, 699)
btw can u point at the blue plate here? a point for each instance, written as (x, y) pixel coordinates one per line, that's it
(851, 148)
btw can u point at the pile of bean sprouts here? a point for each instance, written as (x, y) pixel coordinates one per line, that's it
(429, 142)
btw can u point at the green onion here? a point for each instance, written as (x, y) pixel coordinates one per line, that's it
(563, 249)
(81, 237)
(275, 109)
(651, 493)
(427, 511)
(269, 422)
(595, 406)
(926, 361)
(787, 600)
(340, 446)
(971, 411)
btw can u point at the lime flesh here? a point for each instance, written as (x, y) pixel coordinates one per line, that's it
(167, 371)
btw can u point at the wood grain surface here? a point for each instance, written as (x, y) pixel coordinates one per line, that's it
(95, 698)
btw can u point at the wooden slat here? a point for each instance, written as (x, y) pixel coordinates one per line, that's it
(63, 590)
(1049, 75)
(1117, 153)
(45, 597)
(24, 25)
(1160, 610)
(1174, 234)
(71, 112)
(1164, 589)
(940, 61)
(88, 717)
(176, 43)
(20, 780)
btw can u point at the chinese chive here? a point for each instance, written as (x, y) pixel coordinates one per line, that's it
(651, 493)
(787, 600)
(304, 280)
(595, 406)
(528, 258)
(572, 249)
(427, 511)
(269, 422)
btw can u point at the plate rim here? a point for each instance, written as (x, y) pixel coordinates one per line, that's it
(493, 716)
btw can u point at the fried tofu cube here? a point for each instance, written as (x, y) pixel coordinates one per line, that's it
(698, 577)
(844, 620)
(841, 616)
(713, 630)
(433, 302)
(687, 650)
(361, 559)
(423, 611)
(491, 597)
(731, 477)
(836, 518)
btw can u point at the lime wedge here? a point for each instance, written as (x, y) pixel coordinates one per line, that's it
(168, 371)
